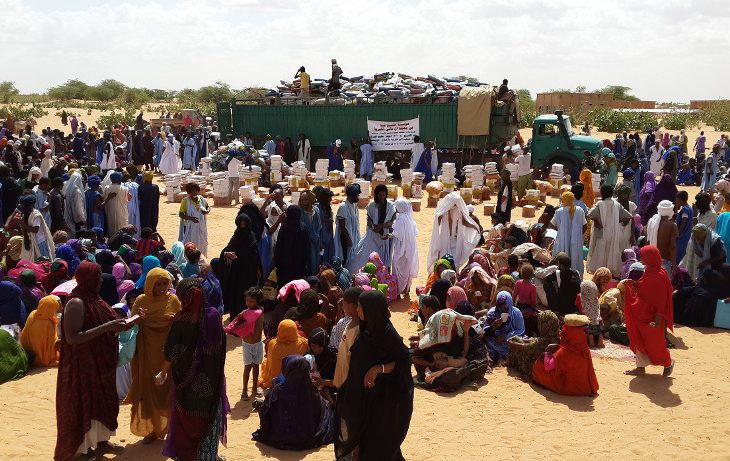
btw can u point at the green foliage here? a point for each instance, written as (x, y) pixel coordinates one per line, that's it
(619, 92)
(25, 112)
(717, 115)
(8, 91)
(528, 109)
(581, 89)
(679, 121)
(615, 122)
(134, 97)
(107, 122)
(72, 89)
(106, 90)
(220, 91)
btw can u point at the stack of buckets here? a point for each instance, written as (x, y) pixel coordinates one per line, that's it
(447, 177)
(172, 186)
(364, 192)
(298, 177)
(380, 172)
(246, 193)
(276, 164)
(406, 182)
(417, 185)
(205, 166)
(474, 180)
(249, 176)
(320, 172)
(349, 171)
(220, 191)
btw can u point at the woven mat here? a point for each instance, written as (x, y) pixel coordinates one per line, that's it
(613, 351)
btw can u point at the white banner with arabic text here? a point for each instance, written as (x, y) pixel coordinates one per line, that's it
(393, 135)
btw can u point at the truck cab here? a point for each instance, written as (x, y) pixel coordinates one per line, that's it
(554, 141)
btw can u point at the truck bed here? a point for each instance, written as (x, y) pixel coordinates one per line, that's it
(324, 123)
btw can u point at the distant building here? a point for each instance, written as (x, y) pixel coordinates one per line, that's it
(548, 103)
(702, 103)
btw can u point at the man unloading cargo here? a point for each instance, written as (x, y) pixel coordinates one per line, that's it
(334, 85)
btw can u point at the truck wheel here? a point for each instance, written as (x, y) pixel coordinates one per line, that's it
(568, 164)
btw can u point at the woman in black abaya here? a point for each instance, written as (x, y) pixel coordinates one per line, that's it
(241, 266)
(375, 403)
(291, 252)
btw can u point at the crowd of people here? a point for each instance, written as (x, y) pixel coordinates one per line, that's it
(91, 287)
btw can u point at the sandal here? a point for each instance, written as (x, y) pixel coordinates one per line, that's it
(635, 372)
(668, 370)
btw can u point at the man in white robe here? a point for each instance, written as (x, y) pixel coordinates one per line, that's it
(656, 163)
(608, 218)
(75, 202)
(347, 230)
(454, 232)
(116, 202)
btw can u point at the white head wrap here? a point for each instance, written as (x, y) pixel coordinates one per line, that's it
(665, 208)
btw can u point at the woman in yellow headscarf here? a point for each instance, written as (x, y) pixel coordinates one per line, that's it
(570, 222)
(40, 335)
(586, 178)
(287, 342)
(150, 403)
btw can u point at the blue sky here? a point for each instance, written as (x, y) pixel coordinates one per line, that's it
(668, 50)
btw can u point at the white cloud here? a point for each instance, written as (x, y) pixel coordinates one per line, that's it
(664, 50)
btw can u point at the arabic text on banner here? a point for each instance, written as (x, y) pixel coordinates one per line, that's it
(393, 135)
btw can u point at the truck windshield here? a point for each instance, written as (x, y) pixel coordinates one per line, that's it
(568, 126)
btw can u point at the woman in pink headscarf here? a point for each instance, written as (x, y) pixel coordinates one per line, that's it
(124, 284)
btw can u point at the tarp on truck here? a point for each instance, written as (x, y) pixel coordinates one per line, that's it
(474, 110)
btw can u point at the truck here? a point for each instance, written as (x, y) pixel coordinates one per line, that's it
(554, 141)
(180, 120)
(439, 122)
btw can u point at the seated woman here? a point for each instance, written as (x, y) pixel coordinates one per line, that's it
(705, 251)
(611, 303)
(325, 357)
(13, 358)
(524, 351)
(444, 356)
(480, 289)
(695, 306)
(503, 321)
(570, 369)
(287, 298)
(294, 416)
(40, 332)
(31, 293)
(438, 267)
(309, 312)
(287, 342)
(603, 278)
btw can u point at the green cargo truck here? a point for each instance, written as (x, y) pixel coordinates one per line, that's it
(438, 122)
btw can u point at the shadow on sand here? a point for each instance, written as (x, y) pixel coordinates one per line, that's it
(656, 389)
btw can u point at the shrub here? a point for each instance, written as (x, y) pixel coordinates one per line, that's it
(617, 121)
(679, 120)
(28, 113)
(717, 115)
(107, 122)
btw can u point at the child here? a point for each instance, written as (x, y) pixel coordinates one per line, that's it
(591, 308)
(192, 267)
(251, 332)
(352, 321)
(525, 294)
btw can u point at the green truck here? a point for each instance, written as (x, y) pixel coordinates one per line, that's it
(438, 122)
(554, 141)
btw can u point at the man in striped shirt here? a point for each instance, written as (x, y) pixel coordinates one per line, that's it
(151, 243)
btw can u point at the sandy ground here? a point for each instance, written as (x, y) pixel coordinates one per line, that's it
(506, 418)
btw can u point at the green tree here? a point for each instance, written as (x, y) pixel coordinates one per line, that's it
(8, 91)
(581, 89)
(107, 90)
(717, 115)
(619, 92)
(72, 89)
(217, 92)
(134, 97)
(528, 109)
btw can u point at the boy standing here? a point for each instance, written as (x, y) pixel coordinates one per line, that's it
(253, 346)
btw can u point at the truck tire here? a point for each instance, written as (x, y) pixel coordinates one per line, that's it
(568, 163)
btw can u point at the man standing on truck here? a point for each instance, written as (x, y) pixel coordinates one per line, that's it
(304, 81)
(334, 85)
